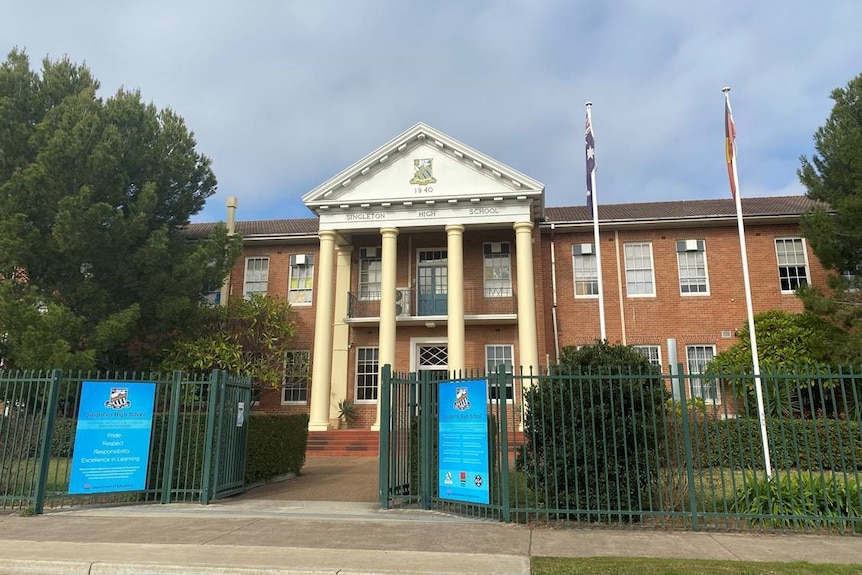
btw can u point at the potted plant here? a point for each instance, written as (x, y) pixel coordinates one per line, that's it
(347, 412)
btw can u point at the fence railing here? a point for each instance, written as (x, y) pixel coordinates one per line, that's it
(615, 448)
(192, 457)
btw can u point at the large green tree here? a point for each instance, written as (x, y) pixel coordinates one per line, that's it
(94, 194)
(247, 336)
(833, 175)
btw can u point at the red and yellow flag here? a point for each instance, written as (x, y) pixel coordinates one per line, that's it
(730, 144)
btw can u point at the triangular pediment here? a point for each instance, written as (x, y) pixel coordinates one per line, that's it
(424, 166)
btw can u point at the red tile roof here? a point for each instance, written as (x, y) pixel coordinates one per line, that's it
(634, 212)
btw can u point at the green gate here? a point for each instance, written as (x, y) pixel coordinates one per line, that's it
(408, 444)
(197, 446)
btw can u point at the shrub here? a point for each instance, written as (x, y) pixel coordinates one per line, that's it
(800, 502)
(276, 445)
(589, 431)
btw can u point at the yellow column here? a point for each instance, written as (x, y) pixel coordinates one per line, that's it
(527, 337)
(341, 331)
(321, 373)
(455, 298)
(386, 351)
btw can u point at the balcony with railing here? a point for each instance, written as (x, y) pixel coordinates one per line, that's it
(481, 306)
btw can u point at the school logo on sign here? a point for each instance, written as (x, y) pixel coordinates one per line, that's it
(462, 402)
(423, 172)
(119, 398)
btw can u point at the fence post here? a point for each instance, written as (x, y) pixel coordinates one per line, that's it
(212, 400)
(503, 457)
(47, 435)
(385, 430)
(426, 441)
(686, 441)
(171, 447)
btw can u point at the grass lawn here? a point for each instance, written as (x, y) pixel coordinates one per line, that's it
(640, 566)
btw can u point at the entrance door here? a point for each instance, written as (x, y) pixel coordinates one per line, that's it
(433, 283)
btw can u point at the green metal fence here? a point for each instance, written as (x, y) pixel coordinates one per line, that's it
(645, 449)
(197, 446)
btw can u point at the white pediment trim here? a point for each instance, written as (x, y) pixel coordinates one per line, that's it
(512, 181)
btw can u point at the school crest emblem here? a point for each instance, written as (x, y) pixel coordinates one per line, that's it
(423, 172)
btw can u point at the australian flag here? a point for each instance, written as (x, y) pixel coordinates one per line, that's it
(591, 160)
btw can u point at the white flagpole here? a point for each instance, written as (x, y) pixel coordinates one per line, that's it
(596, 238)
(758, 388)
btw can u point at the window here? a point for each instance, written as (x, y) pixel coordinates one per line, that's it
(296, 374)
(370, 273)
(367, 373)
(496, 356)
(691, 260)
(301, 279)
(586, 271)
(651, 352)
(792, 271)
(639, 272)
(698, 357)
(498, 269)
(256, 276)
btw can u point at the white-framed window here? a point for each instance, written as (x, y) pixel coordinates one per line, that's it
(497, 269)
(370, 273)
(256, 276)
(792, 263)
(706, 388)
(852, 278)
(301, 279)
(586, 271)
(691, 262)
(296, 373)
(651, 352)
(640, 276)
(497, 355)
(367, 373)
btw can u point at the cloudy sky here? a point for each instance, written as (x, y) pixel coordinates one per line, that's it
(284, 94)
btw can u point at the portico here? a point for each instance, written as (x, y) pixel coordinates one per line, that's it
(403, 234)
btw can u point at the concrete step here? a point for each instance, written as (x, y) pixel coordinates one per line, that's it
(356, 442)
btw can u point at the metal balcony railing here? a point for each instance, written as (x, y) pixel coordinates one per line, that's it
(412, 303)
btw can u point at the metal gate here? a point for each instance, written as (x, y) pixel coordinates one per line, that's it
(230, 436)
(197, 449)
(408, 445)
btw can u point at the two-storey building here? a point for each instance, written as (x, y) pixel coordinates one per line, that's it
(431, 256)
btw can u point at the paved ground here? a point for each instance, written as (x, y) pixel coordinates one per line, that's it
(270, 531)
(326, 478)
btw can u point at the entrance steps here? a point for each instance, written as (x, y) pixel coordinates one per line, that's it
(356, 442)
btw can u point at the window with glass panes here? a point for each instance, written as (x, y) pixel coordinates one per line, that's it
(367, 368)
(586, 270)
(301, 279)
(640, 280)
(497, 356)
(370, 273)
(698, 357)
(497, 269)
(651, 352)
(792, 269)
(691, 262)
(256, 276)
(296, 374)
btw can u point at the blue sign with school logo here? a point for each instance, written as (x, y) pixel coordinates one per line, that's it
(112, 440)
(463, 441)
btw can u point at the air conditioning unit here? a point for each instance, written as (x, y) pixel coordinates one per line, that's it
(402, 302)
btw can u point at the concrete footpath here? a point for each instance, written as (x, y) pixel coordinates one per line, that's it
(247, 536)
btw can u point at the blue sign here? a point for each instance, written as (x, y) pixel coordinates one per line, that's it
(463, 441)
(112, 441)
